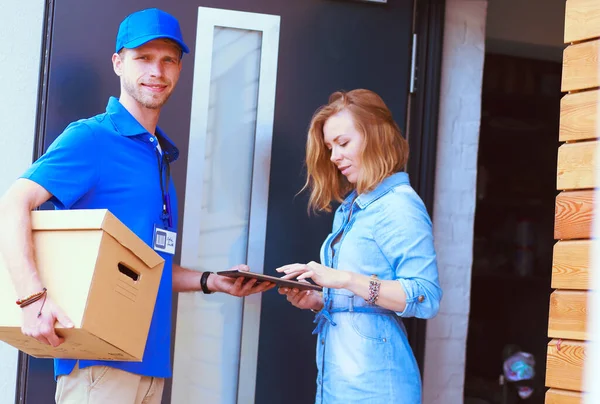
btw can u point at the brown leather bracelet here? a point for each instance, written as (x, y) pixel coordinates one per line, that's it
(26, 301)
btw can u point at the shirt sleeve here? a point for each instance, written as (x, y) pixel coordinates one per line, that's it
(70, 167)
(404, 235)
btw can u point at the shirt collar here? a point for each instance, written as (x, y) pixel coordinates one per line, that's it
(364, 200)
(127, 125)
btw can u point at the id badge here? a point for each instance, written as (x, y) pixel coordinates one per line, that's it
(164, 240)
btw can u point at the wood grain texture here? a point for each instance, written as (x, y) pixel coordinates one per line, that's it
(555, 396)
(579, 116)
(564, 365)
(573, 214)
(568, 315)
(582, 20)
(576, 165)
(571, 264)
(580, 66)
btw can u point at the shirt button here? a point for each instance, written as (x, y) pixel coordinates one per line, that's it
(151, 139)
(421, 299)
(322, 342)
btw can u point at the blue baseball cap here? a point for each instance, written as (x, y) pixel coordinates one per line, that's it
(146, 25)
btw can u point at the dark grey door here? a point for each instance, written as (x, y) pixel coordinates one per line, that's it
(325, 45)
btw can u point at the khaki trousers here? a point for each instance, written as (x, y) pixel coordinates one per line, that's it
(102, 384)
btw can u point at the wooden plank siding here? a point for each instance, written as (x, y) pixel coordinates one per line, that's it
(580, 66)
(568, 315)
(571, 264)
(579, 115)
(574, 209)
(582, 20)
(564, 364)
(573, 214)
(577, 165)
(555, 396)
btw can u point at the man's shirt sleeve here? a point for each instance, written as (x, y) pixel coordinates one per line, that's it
(70, 167)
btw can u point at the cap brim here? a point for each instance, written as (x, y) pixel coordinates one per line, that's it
(145, 39)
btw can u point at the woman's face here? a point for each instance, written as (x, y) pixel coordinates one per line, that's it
(345, 143)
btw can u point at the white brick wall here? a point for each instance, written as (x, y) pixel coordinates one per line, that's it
(21, 33)
(454, 207)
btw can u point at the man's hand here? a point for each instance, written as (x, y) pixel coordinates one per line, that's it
(237, 287)
(42, 328)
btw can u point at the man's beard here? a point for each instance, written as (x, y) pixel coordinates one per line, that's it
(146, 100)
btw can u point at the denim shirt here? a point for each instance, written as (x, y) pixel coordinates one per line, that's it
(386, 232)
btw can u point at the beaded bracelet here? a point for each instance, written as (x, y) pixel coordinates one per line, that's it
(374, 285)
(26, 301)
(34, 297)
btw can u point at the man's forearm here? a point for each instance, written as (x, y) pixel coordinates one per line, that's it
(16, 247)
(185, 280)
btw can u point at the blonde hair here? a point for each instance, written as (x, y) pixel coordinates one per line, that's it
(384, 152)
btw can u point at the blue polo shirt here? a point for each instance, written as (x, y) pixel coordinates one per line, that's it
(109, 162)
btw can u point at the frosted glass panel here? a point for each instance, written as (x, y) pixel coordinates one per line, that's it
(229, 148)
(207, 349)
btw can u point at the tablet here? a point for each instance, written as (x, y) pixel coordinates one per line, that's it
(288, 283)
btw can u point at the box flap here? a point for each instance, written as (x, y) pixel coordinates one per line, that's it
(90, 219)
(77, 219)
(130, 240)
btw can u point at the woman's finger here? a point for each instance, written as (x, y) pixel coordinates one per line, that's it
(296, 270)
(282, 268)
(308, 274)
(291, 275)
(288, 266)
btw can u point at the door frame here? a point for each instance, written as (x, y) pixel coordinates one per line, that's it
(423, 112)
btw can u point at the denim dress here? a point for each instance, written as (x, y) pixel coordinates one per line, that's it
(363, 354)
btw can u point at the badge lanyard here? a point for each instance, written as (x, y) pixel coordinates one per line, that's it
(164, 237)
(164, 189)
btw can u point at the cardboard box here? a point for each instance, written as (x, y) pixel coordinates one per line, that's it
(101, 274)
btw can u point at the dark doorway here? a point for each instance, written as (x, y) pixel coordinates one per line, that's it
(325, 45)
(514, 220)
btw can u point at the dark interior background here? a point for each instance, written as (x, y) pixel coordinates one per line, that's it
(514, 222)
(325, 45)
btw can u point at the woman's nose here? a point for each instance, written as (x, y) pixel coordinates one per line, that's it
(335, 156)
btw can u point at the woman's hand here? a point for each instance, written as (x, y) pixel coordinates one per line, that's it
(320, 274)
(303, 299)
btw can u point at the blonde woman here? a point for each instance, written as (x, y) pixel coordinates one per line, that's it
(377, 266)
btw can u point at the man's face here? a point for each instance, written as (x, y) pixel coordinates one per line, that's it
(149, 72)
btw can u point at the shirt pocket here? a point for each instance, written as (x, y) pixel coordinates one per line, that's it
(371, 327)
